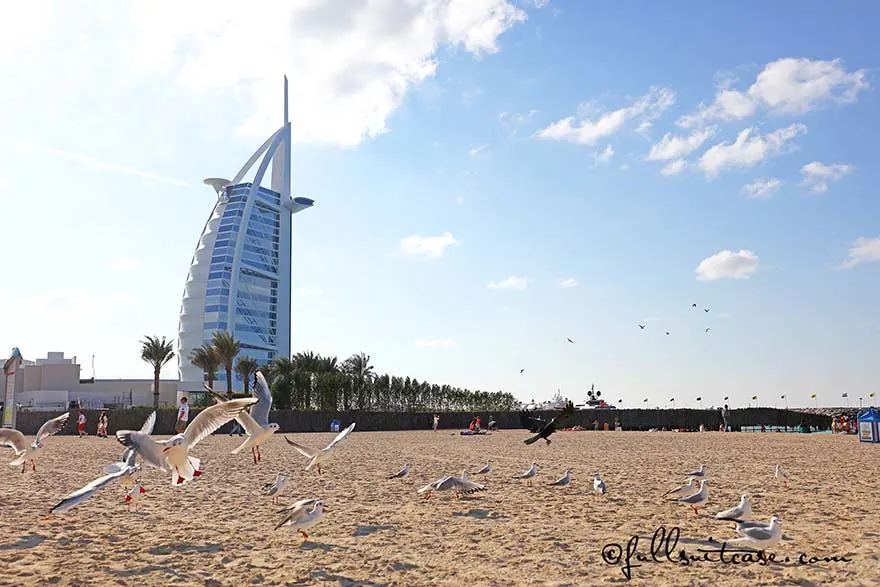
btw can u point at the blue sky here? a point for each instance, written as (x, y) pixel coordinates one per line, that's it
(417, 122)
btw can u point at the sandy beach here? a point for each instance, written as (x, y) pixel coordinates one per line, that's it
(218, 529)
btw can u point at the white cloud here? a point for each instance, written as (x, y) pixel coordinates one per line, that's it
(477, 151)
(748, 150)
(93, 162)
(568, 282)
(863, 250)
(437, 343)
(674, 167)
(588, 132)
(510, 284)
(818, 175)
(727, 265)
(605, 156)
(762, 188)
(517, 117)
(351, 64)
(785, 86)
(645, 127)
(428, 247)
(675, 147)
(307, 292)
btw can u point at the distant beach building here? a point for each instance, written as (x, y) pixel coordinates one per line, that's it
(240, 276)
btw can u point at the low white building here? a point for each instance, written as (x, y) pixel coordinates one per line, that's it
(54, 383)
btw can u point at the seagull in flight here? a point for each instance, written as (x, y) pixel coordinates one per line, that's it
(256, 423)
(401, 473)
(303, 514)
(569, 340)
(120, 470)
(693, 305)
(29, 452)
(458, 484)
(520, 371)
(667, 333)
(707, 330)
(642, 326)
(706, 310)
(316, 455)
(539, 427)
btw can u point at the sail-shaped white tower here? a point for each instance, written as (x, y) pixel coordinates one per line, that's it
(240, 276)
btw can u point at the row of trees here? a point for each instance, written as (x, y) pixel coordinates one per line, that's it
(310, 381)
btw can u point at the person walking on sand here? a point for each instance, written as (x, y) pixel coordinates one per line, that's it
(102, 425)
(436, 422)
(81, 424)
(182, 416)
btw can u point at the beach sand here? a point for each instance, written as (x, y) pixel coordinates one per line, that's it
(218, 529)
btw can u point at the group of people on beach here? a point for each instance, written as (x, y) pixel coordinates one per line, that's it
(101, 432)
(844, 424)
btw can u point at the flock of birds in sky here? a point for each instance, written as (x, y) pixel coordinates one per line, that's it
(644, 325)
(173, 456)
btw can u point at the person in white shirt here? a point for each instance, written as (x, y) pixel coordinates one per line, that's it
(182, 415)
(81, 424)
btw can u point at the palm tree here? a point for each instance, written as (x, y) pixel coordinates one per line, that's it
(227, 349)
(157, 352)
(361, 372)
(246, 367)
(205, 358)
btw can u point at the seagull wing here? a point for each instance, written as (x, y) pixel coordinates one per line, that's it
(218, 397)
(435, 485)
(53, 426)
(567, 411)
(149, 423)
(260, 411)
(530, 423)
(341, 436)
(213, 417)
(465, 485)
(13, 438)
(250, 424)
(86, 492)
(757, 532)
(698, 496)
(734, 512)
(400, 473)
(304, 450)
(144, 445)
(296, 512)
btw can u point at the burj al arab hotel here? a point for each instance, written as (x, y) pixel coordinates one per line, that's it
(240, 276)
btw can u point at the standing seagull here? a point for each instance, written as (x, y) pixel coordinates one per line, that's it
(529, 475)
(688, 488)
(543, 429)
(274, 490)
(698, 499)
(318, 456)
(29, 452)
(599, 487)
(780, 474)
(256, 423)
(564, 481)
(401, 473)
(760, 536)
(303, 514)
(739, 512)
(699, 473)
(485, 470)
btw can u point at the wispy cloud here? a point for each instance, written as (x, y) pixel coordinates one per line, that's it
(568, 282)
(95, 163)
(477, 151)
(512, 283)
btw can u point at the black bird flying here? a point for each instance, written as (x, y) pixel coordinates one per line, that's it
(541, 428)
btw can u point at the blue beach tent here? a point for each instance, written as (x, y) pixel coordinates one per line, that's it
(869, 426)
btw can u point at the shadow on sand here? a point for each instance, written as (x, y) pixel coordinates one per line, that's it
(367, 530)
(25, 542)
(345, 581)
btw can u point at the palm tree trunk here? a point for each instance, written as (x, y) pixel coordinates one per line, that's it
(156, 372)
(229, 377)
